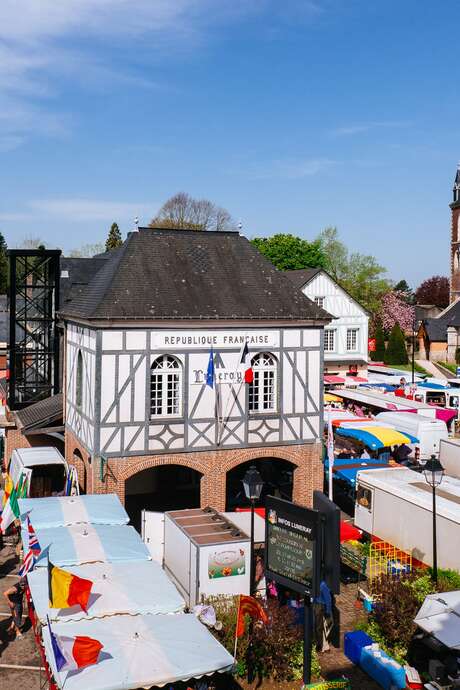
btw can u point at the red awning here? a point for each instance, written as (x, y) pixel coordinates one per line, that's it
(360, 379)
(349, 531)
(333, 379)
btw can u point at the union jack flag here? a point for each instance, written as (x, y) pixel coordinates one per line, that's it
(34, 546)
(27, 564)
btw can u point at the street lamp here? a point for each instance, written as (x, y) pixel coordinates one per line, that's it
(253, 484)
(434, 472)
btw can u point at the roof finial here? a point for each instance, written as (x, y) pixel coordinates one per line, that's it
(136, 223)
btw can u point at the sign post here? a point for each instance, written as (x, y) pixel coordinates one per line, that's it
(292, 558)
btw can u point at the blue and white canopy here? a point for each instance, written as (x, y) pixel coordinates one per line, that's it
(58, 511)
(141, 651)
(78, 544)
(118, 588)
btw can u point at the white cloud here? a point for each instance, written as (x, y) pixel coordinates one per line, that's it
(81, 210)
(350, 130)
(44, 39)
(292, 169)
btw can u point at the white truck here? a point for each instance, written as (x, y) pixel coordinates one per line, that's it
(205, 554)
(429, 431)
(46, 467)
(395, 505)
(449, 456)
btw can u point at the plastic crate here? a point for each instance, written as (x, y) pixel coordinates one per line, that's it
(353, 644)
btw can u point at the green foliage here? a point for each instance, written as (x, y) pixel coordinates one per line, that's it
(359, 274)
(379, 354)
(277, 650)
(421, 586)
(288, 252)
(448, 580)
(114, 239)
(3, 266)
(396, 352)
(403, 288)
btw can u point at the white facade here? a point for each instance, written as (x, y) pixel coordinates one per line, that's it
(346, 337)
(138, 391)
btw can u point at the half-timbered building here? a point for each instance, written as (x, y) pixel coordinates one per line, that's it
(156, 406)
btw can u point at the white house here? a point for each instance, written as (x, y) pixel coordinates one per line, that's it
(140, 418)
(346, 337)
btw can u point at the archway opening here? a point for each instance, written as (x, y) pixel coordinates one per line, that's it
(277, 474)
(166, 487)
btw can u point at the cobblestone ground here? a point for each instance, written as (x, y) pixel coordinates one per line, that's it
(23, 653)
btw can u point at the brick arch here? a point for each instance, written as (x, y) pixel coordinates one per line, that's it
(150, 462)
(248, 454)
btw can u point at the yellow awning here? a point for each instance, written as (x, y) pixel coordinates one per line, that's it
(328, 397)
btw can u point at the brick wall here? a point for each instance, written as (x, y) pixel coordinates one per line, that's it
(455, 243)
(212, 465)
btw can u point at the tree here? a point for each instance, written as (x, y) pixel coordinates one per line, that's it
(183, 212)
(359, 274)
(434, 290)
(3, 266)
(406, 293)
(87, 250)
(379, 353)
(395, 309)
(32, 243)
(396, 352)
(114, 239)
(288, 252)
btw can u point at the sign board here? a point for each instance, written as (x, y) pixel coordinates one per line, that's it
(330, 570)
(292, 542)
(372, 344)
(341, 683)
(219, 340)
(458, 371)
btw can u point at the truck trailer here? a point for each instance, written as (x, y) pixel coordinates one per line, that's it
(396, 506)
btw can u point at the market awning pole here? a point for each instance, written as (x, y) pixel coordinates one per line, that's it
(307, 637)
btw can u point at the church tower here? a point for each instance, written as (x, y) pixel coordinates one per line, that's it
(455, 241)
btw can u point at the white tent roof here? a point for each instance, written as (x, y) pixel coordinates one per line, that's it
(79, 544)
(440, 616)
(118, 588)
(141, 651)
(58, 511)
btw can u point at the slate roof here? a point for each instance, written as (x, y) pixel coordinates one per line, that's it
(80, 273)
(41, 413)
(182, 274)
(301, 276)
(436, 328)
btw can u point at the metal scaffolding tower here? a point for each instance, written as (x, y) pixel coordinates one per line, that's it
(33, 337)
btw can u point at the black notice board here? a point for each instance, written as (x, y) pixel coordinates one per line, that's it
(292, 543)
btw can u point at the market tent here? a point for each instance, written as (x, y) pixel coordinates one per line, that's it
(57, 511)
(77, 544)
(440, 617)
(329, 397)
(141, 651)
(375, 437)
(346, 469)
(331, 378)
(125, 588)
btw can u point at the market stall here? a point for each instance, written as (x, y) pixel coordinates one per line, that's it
(118, 588)
(141, 651)
(59, 511)
(77, 544)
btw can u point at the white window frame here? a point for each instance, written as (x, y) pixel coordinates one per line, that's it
(166, 395)
(355, 331)
(328, 333)
(319, 301)
(263, 391)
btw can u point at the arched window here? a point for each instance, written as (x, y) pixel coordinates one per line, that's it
(165, 387)
(79, 380)
(262, 391)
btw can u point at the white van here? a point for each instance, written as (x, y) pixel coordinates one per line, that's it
(429, 431)
(46, 468)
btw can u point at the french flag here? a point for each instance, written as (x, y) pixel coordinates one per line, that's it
(245, 360)
(74, 653)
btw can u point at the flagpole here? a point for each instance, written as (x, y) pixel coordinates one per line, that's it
(236, 626)
(227, 416)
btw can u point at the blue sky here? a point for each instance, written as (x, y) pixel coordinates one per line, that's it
(293, 115)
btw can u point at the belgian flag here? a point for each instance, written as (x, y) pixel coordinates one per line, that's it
(67, 590)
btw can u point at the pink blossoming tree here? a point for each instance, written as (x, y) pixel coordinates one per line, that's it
(394, 310)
